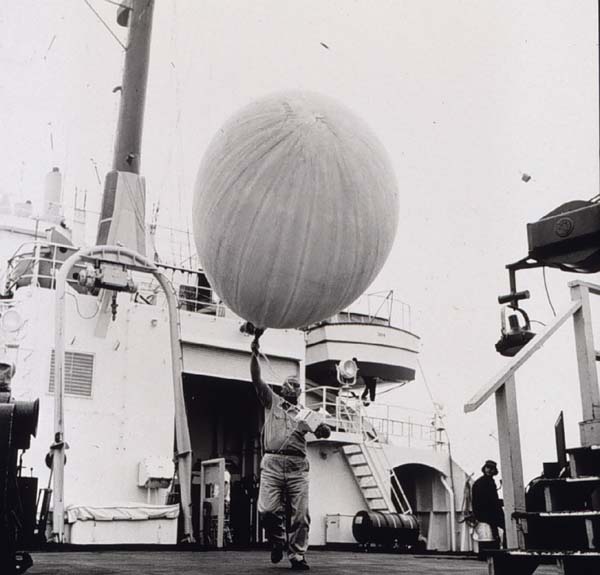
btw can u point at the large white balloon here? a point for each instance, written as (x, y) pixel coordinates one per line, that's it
(295, 210)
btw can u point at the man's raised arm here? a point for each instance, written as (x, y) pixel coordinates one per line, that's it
(263, 391)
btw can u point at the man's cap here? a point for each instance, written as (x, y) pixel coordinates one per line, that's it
(291, 380)
(292, 383)
(491, 464)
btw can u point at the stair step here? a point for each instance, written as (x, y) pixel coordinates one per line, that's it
(509, 562)
(367, 481)
(372, 493)
(584, 461)
(572, 530)
(557, 514)
(564, 494)
(377, 505)
(583, 448)
(557, 553)
(570, 480)
(358, 464)
(356, 456)
(362, 472)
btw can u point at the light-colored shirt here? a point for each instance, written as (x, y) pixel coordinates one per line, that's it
(281, 432)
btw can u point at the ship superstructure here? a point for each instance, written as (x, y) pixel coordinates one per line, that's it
(119, 405)
(141, 368)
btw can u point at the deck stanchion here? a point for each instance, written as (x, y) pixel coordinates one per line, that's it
(510, 460)
(589, 428)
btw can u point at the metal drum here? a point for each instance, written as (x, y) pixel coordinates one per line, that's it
(386, 529)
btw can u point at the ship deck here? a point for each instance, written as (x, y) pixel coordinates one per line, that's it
(253, 563)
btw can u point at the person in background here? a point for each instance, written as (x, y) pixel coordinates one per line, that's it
(487, 506)
(370, 383)
(284, 467)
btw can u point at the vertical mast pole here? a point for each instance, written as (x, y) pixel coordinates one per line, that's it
(133, 96)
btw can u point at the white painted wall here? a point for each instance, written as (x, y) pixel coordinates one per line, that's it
(130, 414)
(332, 490)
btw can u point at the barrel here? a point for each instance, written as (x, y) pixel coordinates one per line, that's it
(387, 529)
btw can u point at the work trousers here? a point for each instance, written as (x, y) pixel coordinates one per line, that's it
(284, 488)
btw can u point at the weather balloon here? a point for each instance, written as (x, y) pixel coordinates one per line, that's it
(295, 210)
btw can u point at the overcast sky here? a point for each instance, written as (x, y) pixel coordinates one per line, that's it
(466, 95)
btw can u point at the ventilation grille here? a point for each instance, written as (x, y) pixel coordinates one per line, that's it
(79, 372)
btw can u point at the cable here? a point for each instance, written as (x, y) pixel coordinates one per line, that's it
(435, 405)
(398, 386)
(547, 292)
(79, 311)
(270, 366)
(106, 25)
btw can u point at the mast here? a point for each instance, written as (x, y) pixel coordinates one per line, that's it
(135, 81)
(124, 197)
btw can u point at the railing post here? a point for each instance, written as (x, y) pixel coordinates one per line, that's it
(510, 460)
(35, 274)
(589, 428)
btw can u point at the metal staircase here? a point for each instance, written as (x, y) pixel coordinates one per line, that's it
(562, 520)
(374, 475)
(379, 485)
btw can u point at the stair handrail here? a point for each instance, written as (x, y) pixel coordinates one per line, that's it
(395, 485)
(405, 506)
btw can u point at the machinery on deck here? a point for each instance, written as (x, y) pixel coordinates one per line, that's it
(18, 423)
(567, 238)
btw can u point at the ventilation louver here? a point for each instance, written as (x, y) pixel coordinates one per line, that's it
(79, 372)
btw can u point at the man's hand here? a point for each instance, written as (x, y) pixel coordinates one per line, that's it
(323, 431)
(255, 345)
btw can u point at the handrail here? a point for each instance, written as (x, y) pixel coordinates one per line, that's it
(344, 415)
(518, 360)
(593, 288)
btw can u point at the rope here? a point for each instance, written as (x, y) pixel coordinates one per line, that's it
(273, 371)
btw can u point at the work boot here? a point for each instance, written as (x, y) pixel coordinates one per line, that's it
(299, 565)
(276, 553)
